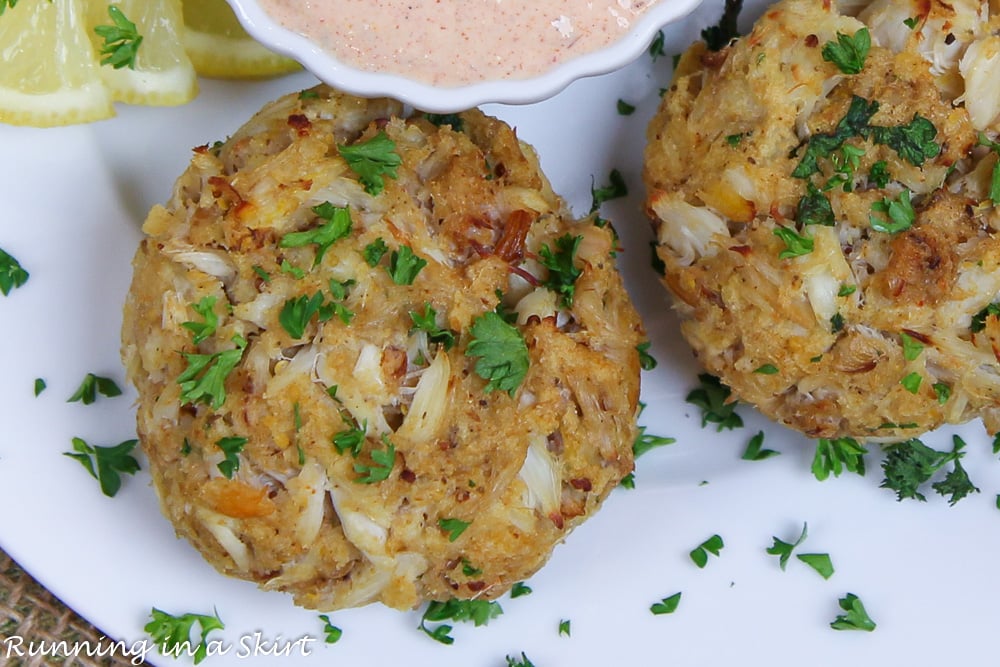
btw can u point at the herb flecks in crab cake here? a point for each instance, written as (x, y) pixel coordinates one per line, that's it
(824, 193)
(371, 349)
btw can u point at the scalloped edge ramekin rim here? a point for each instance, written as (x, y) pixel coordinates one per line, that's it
(447, 100)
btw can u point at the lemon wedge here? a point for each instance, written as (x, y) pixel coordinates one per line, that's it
(162, 74)
(220, 48)
(50, 74)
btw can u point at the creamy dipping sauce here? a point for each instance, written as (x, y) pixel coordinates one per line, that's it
(458, 42)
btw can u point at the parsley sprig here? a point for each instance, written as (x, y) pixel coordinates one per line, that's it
(12, 274)
(426, 321)
(479, 612)
(404, 265)
(205, 377)
(381, 466)
(172, 634)
(910, 464)
(336, 225)
(372, 160)
(712, 545)
(562, 273)
(121, 40)
(835, 455)
(91, 386)
(106, 464)
(899, 213)
(210, 321)
(713, 399)
(855, 616)
(667, 605)
(849, 52)
(503, 357)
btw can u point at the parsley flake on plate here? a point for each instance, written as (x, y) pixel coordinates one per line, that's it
(371, 160)
(106, 464)
(783, 550)
(564, 627)
(712, 545)
(647, 361)
(12, 274)
(834, 455)
(477, 611)
(172, 634)
(39, 386)
(718, 36)
(713, 399)
(121, 40)
(91, 386)
(821, 563)
(667, 605)
(519, 589)
(523, 662)
(331, 632)
(908, 465)
(503, 354)
(615, 189)
(755, 451)
(855, 618)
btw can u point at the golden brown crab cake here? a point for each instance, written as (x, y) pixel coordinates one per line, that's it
(824, 191)
(377, 359)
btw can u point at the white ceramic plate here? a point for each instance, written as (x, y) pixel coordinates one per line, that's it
(73, 200)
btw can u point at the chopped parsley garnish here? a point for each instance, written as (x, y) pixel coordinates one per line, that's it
(911, 22)
(836, 323)
(202, 330)
(908, 465)
(172, 634)
(979, 319)
(735, 139)
(624, 108)
(337, 225)
(564, 627)
(383, 461)
(454, 527)
(332, 633)
(713, 399)
(404, 265)
(121, 40)
(994, 194)
(913, 142)
(848, 53)
(106, 464)
(442, 119)
(523, 662)
(911, 346)
(12, 275)
(351, 439)
(427, 322)
(647, 362)
(821, 563)
(479, 612)
(338, 292)
(503, 354)
(835, 455)
(754, 450)
(855, 618)
(911, 382)
(846, 162)
(296, 313)
(4, 4)
(562, 274)
(374, 251)
(814, 208)
(823, 144)
(766, 369)
(292, 270)
(372, 160)
(796, 244)
(712, 545)
(519, 589)
(39, 386)
(847, 290)
(667, 605)
(655, 47)
(943, 392)
(469, 570)
(92, 385)
(309, 94)
(878, 174)
(644, 442)
(783, 550)
(204, 378)
(231, 446)
(717, 37)
(615, 189)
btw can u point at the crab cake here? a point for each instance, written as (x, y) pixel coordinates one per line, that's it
(377, 359)
(824, 191)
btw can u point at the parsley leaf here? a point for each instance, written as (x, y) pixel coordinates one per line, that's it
(39, 386)
(667, 605)
(624, 108)
(901, 215)
(943, 392)
(523, 662)
(332, 632)
(819, 562)
(878, 174)
(371, 160)
(856, 617)
(12, 275)
(213, 370)
(296, 313)
(647, 362)
(655, 47)
(479, 612)
(823, 144)
(783, 550)
(712, 545)
(615, 189)
(374, 251)
(562, 274)
(105, 464)
(766, 369)
(202, 330)
(646, 441)
(911, 346)
(404, 265)
(753, 452)
(337, 225)
(956, 483)
(92, 385)
(909, 464)
(914, 142)
(564, 628)
(172, 634)
(911, 382)
(427, 322)
(382, 462)
(795, 244)
(848, 53)
(713, 399)
(503, 354)
(979, 319)
(519, 589)
(454, 527)
(814, 208)
(836, 455)
(351, 439)
(717, 37)
(4, 4)
(231, 446)
(121, 40)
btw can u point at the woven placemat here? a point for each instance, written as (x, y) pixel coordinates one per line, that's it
(30, 614)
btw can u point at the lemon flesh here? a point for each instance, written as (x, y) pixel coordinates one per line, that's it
(219, 47)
